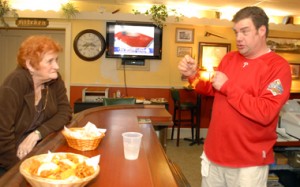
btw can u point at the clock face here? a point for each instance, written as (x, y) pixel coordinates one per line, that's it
(89, 45)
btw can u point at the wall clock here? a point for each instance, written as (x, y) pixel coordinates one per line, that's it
(89, 45)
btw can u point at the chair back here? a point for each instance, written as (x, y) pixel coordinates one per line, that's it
(118, 101)
(175, 95)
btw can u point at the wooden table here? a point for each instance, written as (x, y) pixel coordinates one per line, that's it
(151, 169)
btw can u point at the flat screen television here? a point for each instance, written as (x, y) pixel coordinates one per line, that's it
(133, 40)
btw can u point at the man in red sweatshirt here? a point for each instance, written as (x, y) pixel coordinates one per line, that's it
(249, 87)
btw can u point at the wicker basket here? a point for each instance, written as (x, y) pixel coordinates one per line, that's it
(36, 181)
(82, 144)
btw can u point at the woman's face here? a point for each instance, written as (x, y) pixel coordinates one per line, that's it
(48, 67)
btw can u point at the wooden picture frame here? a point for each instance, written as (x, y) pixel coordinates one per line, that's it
(295, 71)
(284, 45)
(211, 54)
(184, 35)
(182, 51)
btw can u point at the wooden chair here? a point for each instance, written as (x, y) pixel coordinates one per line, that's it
(179, 107)
(118, 101)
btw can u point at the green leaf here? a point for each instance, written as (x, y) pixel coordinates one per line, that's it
(159, 14)
(69, 10)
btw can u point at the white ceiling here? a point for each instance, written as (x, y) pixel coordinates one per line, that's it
(290, 7)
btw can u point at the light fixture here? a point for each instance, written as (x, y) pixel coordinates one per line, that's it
(45, 5)
(288, 20)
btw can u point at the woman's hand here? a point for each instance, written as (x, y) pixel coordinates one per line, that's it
(187, 66)
(27, 145)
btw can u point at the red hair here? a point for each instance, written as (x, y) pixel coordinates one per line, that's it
(34, 48)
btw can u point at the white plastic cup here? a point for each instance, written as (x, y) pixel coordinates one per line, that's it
(132, 144)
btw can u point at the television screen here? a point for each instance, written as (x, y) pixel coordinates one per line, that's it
(133, 40)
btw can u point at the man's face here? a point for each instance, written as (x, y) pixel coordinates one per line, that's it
(249, 40)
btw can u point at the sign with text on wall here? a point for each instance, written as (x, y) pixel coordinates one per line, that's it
(32, 22)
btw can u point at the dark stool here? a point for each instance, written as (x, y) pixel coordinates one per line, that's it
(179, 107)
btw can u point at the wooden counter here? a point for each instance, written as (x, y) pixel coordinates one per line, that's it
(288, 144)
(151, 169)
(80, 106)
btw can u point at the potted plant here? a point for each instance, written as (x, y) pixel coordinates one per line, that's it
(6, 9)
(159, 14)
(69, 10)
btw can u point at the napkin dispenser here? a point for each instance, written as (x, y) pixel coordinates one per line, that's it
(94, 94)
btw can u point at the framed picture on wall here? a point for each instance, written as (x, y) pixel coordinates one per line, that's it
(211, 54)
(295, 71)
(284, 45)
(182, 51)
(184, 35)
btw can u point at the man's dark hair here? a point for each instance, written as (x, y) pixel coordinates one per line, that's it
(257, 15)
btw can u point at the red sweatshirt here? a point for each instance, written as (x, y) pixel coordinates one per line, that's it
(245, 112)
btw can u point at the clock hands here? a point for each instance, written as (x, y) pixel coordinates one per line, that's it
(89, 45)
(86, 45)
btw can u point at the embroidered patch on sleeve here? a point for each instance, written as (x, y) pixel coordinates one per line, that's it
(275, 87)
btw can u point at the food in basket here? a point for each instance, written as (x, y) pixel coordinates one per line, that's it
(59, 168)
(85, 138)
(87, 132)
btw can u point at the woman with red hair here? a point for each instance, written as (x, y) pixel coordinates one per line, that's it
(33, 100)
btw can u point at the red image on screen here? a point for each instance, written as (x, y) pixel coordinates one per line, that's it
(134, 39)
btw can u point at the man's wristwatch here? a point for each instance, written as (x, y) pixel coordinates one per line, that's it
(38, 133)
